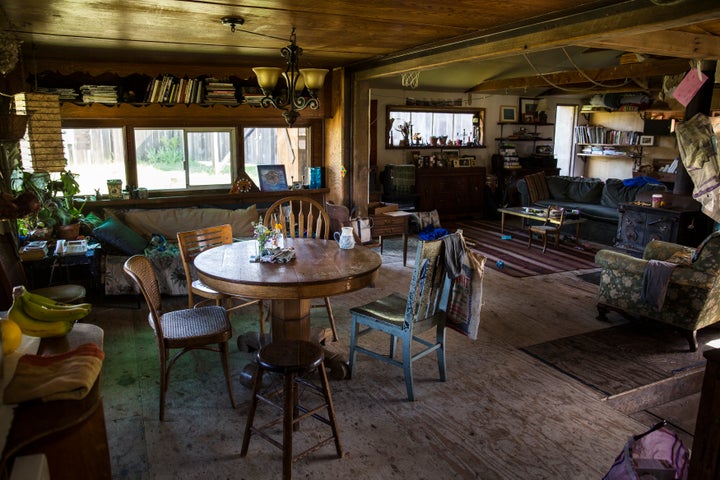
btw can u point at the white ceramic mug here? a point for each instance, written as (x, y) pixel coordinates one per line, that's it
(345, 239)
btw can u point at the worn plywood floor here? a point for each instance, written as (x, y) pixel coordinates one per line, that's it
(501, 415)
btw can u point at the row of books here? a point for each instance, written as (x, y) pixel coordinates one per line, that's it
(598, 134)
(171, 89)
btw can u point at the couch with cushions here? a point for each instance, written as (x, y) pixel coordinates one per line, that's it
(596, 200)
(153, 232)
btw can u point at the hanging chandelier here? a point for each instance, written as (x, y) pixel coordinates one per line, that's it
(300, 87)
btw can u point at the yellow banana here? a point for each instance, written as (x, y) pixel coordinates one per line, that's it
(49, 302)
(34, 328)
(51, 314)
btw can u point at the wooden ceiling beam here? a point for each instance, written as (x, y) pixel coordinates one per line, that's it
(668, 43)
(638, 19)
(618, 72)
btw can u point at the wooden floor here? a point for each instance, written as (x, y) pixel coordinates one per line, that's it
(502, 414)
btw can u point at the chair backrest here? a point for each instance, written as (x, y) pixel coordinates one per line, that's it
(301, 217)
(140, 269)
(561, 219)
(11, 270)
(339, 217)
(193, 242)
(428, 296)
(707, 255)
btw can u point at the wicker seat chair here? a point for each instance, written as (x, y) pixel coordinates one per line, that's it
(183, 330)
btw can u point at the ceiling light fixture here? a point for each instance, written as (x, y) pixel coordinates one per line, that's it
(290, 97)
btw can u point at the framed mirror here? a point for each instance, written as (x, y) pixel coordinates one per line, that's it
(433, 127)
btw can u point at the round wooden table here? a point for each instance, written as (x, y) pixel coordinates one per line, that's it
(320, 269)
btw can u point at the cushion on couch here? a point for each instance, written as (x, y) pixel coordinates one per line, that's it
(169, 221)
(537, 186)
(585, 190)
(118, 235)
(558, 187)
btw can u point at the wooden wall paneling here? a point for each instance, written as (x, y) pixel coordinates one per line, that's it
(336, 134)
(360, 145)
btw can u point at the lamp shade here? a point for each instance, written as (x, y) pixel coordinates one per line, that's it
(314, 77)
(267, 77)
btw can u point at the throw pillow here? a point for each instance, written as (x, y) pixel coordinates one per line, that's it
(558, 187)
(121, 237)
(537, 187)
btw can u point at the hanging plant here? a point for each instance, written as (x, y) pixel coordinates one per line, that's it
(9, 52)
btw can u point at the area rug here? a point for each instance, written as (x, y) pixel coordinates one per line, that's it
(625, 357)
(512, 255)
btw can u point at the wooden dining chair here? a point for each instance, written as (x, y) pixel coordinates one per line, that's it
(548, 228)
(405, 317)
(191, 243)
(183, 330)
(303, 217)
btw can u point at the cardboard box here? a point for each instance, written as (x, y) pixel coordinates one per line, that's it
(376, 208)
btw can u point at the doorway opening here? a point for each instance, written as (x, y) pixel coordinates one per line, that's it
(565, 119)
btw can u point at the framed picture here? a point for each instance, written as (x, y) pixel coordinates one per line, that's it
(467, 161)
(647, 140)
(528, 108)
(272, 178)
(508, 113)
(451, 156)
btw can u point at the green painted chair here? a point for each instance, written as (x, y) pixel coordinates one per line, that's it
(693, 293)
(405, 317)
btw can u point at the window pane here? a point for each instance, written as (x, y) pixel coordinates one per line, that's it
(160, 159)
(278, 146)
(209, 158)
(96, 155)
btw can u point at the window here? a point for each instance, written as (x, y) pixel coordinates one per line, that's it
(170, 159)
(435, 126)
(278, 146)
(96, 155)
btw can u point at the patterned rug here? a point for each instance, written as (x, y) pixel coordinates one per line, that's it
(625, 357)
(517, 259)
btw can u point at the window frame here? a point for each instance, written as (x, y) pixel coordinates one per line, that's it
(315, 137)
(476, 112)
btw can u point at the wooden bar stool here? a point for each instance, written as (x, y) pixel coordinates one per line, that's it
(292, 359)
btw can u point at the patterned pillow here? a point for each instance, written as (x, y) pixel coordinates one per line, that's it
(537, 187)
(115, 233)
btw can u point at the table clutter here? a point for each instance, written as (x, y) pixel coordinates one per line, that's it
(277, 255)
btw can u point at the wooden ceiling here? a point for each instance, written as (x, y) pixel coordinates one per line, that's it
(464, 45)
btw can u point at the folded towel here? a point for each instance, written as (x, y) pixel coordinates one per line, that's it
(655, 281)
(66, 376)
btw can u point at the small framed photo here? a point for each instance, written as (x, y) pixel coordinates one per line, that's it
(451, 156)
(272, 178)
(467, 161)
(508, 113)
(528, 109)
(647, 140)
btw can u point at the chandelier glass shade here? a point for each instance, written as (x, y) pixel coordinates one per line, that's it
(299, 88)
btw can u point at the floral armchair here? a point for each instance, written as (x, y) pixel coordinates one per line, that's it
(693, 292)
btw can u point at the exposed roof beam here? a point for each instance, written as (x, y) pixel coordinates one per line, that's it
(669, 43)
(573, 77)
(631, 18)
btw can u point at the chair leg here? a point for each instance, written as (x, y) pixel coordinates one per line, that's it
(257, 381)
(225, 357)
(352, 355)
(530, 235)
(544, 242)
(692, 340)
(440, 338)
(330, 408)
(163, 380)
(407, 367)
(331, 317)
(261, 310)
(289, 414)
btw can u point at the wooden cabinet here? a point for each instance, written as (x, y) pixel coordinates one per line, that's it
(453, 192)
(641, 223)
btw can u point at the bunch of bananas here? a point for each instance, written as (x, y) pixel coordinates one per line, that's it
(39, 316)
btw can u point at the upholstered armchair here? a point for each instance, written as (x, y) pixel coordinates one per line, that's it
(692, 298)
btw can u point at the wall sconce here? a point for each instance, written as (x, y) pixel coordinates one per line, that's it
(290, 98)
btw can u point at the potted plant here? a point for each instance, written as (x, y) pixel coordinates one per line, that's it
(57, 211)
